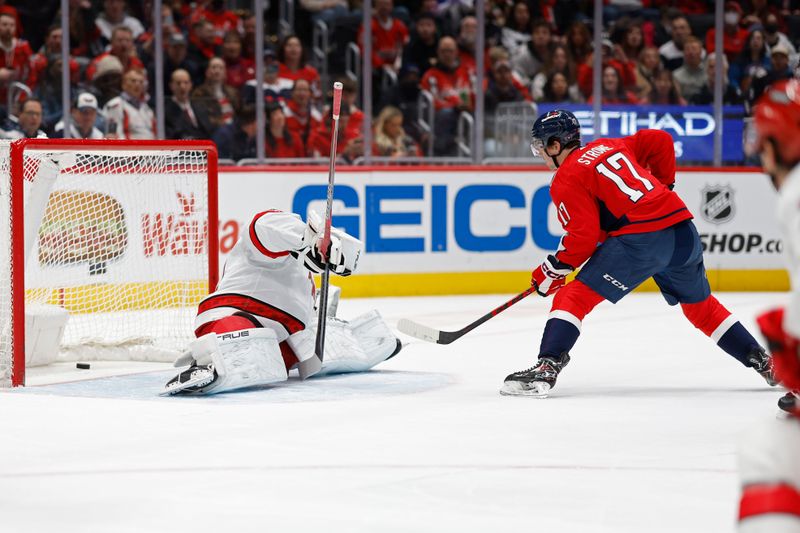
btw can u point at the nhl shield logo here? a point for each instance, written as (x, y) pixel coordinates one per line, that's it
(717, 204)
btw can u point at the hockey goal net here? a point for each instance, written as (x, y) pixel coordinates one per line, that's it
(112, 235)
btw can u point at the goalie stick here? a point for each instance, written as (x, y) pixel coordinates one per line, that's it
(425, 333)
(319, 346)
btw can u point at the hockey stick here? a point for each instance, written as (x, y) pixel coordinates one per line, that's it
(425, 333)
(319, 347)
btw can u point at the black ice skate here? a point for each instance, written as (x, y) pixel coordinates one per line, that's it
(191, 380)
(535, 381)
(761, 362)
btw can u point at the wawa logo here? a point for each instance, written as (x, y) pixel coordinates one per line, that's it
(184, 232)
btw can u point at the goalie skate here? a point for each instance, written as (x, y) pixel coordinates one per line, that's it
(536, 381)
(191, 380)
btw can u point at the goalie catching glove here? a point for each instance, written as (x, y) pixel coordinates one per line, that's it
(550, 276)
(343, 251)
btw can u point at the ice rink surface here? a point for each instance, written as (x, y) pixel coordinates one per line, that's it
(639, 435)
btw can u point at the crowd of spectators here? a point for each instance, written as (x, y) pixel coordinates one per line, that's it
(653, 52)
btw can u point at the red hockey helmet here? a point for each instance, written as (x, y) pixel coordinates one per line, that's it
(777, 116)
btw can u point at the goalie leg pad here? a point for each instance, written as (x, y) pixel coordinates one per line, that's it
(244, 358)
(353, 346)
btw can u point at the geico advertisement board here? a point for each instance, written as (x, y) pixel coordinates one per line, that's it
(440, 220)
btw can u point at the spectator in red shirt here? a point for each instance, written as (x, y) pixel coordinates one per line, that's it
(301, 117)
(239, 68)
(293, 64)
(467, 34)
(222, 20)
(349, 142)
(613, 91)
(280, 141)
(448, 81)
(15, 59)
(626, 69)
(733, 37)
(451, 87)
(52, 49)
(389, 36)
(121, 48)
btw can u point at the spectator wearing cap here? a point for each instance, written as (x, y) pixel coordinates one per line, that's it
(238, 140)
(691, 76)
(775, 37)
(292, 64)
(529, 59)
(280, 141)
(15, 59)
(500, 87)
(752, 63)
(122, 48)
(779, 70)
(114, 16)
(175, 57)
(51, 49)
(733, 35)
(202, 44)
(421, 49)
(239, 69)
(301, 117)
(128, 116)
(82, 119)
(672, 51)
(276, 89)
(107, 80)
(220, 99)
(183, 118)
(389, 36)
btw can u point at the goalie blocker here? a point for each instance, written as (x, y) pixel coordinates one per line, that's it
(267, 285)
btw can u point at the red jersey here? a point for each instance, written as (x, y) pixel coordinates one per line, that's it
(285, 149)
(387, 41)
(239, 72)
(732, 45)
(18, 58)
(449, 88)
(615, 187)
(223, 21)
(301, 121)
(306, 72)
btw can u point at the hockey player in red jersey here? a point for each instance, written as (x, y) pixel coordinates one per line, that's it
(260, 322)
(769, 457)
(621, 218)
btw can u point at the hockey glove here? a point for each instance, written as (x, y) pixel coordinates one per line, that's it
(784, 347)
(550, 276)
(343, 252)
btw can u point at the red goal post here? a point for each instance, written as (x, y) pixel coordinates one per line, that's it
(120, 235)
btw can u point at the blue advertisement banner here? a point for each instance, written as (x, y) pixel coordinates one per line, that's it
(692, 127)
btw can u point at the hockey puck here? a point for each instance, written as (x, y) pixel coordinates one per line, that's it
(83, 366)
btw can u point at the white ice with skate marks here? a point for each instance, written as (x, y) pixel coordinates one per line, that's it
(638, 435)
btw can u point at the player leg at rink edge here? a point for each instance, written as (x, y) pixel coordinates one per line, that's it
(260, 321)
(618, 192)
(769, 455)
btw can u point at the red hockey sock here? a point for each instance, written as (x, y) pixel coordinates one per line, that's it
(709, 316)
(576, 299)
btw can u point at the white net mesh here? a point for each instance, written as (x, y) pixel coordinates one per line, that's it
(117, 238)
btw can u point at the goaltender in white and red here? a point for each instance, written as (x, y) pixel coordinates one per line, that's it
(260, 321)
(769, 457)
